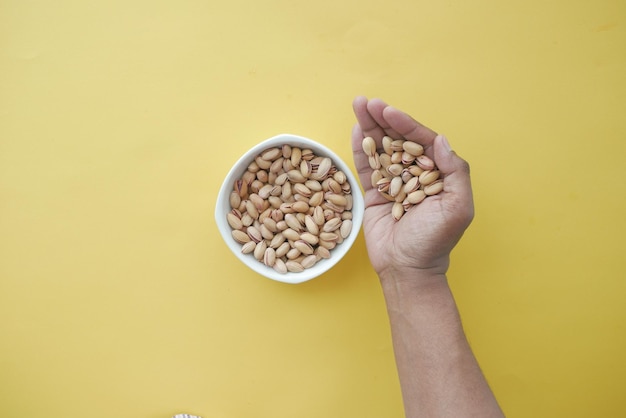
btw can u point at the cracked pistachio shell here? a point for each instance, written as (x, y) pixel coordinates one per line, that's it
(374, 161)
(428, 176)
(425, 163)
(324, 168)
(303, 246)
(254, 234)
(340, 177)
(269, 257)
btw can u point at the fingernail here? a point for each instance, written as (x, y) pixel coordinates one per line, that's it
(445, 143)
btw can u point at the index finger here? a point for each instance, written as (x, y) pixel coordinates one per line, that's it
(407, 127)
(369, 126)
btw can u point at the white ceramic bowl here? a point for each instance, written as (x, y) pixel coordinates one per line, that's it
(223, 207)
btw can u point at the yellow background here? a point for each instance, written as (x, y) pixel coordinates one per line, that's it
(119, 119)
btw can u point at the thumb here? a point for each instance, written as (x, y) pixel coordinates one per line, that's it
(455, 172)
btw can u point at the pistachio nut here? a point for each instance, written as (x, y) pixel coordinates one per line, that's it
(413, 148)
(271, 154)
(416, 197)
(369, 146)
(240, 237)
(308, 261)
(234, 221)
(279, 266)
(248, 247)
(269, 258)
(397, 211)
(412, 185)
(332, 225)
(428, 176)
(346, 228)
(425, 163)
(259, 250)
(387, 141)
(434, 188)
(374, 161)
(395, 186)
(340, 177)
(294, 266)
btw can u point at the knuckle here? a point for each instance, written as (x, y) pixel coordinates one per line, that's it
(464, 166)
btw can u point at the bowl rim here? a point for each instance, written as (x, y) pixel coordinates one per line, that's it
(222, 206)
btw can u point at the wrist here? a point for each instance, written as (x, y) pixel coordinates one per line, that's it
(397, 283)
(433, 271)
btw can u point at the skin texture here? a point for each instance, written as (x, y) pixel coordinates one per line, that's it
(438, 372)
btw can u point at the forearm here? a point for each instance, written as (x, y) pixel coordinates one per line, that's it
(438, 372)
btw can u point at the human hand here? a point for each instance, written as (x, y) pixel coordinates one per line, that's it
(421, 241)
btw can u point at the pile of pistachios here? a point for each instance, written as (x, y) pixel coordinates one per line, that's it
(402, 173)
(290, 208)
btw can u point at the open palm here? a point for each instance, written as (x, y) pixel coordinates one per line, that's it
(423, 238)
